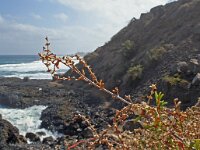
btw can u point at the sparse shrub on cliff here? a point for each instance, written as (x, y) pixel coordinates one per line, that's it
(135, 72)
(174, 80)
(156, 53)
(128, 45)
(162, 128)
(127, 48)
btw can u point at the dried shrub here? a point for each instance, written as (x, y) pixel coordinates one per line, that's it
(162, 128)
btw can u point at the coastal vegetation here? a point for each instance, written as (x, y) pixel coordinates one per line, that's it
(104, 101)
(128, 45)
(127, 48)
(156, 53)
(135, 72)
(155, 126)
(174, 80)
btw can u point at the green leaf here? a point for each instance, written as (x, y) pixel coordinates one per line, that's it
(163, 103)
(197, 144)
(156, 95)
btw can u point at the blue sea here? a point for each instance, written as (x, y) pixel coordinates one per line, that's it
(24, 66)
(26, 120)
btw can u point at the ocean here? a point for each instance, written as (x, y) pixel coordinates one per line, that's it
(28, 119)
(24, 66)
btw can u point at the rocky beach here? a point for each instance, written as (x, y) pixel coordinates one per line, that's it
(161, 48)
(63, 105)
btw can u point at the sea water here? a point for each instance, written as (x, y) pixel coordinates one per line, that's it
(25, 66)
(26, 120)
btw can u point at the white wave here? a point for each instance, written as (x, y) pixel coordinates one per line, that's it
(26, 67)
(26, 120)
(33, 70)
(31, 76)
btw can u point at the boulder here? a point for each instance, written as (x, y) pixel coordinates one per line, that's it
(196, 80)
(41, 133)
(69, 130)
(182, 67)
(32, 137)
(22, 139)
(198, 103)
(48, 140)
(87, 133)
(194, 61)
(194, 66)
(9, 134)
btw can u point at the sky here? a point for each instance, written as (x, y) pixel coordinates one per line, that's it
(71, 25)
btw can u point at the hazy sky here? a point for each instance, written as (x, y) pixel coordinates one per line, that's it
(71, 25)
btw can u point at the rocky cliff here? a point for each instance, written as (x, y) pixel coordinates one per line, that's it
(162, 47)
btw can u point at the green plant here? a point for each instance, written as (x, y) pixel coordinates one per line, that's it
(174, 80)
(195, 144)
(127, 48)
(162, 128)
(156, 53)
(128, 45)
(135, 71)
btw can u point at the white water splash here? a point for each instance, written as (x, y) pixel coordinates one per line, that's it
(23, 67)
(26, 120)
(33, 70)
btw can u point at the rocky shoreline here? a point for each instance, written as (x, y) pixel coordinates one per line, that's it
(63, 105)
(148, 50)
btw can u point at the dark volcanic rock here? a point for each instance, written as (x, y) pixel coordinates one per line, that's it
(194, 66)
(166, 37)
(196, 80)
(32, 92)
(48, 140)
(41, 133)
(54, 117)
(181, 67)
(87, 133)
(9, 100)
(4, 146)
(11, 140)
(156, 41)
(32, 137)
(198, 103)
(29, 147)
(9, 134)
(75, 127)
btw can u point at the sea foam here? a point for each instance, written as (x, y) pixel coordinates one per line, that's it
(26, 120)
(33, 70)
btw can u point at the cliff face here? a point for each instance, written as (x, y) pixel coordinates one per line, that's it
(162, 47)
